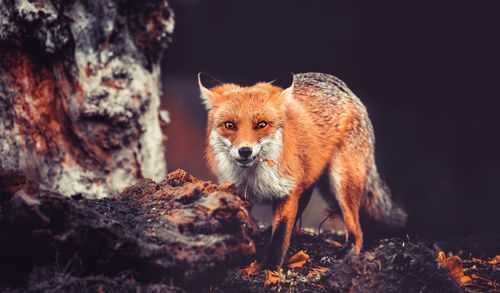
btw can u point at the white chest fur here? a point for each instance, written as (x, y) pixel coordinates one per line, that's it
(259, 182)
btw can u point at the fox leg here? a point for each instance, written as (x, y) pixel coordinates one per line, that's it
(348, 179)
(284, 215)
(303, 202)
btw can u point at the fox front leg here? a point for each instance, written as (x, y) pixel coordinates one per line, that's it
(284, 215)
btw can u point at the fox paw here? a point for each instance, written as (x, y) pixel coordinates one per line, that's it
(347, 247)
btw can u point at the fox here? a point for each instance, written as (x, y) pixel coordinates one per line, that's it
(280, 140)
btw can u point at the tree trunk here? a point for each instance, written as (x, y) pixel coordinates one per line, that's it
(80, 92)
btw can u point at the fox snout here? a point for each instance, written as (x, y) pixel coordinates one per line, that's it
(245, 152)
(245, 155)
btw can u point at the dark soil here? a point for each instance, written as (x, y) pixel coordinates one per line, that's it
(186, 235)
(389, 265)
(180, 231)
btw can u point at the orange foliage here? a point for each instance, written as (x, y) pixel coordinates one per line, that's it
(272, 278)
(454, 266)
(251, 269)
(316, 272)
(270, 163)
(298, 260)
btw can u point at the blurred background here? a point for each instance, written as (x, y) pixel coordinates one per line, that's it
(428, 72)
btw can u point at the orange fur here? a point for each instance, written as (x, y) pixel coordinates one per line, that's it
(326, 133)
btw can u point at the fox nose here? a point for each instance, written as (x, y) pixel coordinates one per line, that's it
(245, 152)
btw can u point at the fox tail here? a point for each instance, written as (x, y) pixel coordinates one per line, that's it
(378, 202)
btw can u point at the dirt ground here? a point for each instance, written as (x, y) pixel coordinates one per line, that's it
(186, 235)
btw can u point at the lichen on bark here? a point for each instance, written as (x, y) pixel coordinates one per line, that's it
(80, 92)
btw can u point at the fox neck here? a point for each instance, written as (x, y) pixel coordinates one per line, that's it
(260, 182)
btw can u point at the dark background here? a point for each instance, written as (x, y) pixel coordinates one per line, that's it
(428, 73)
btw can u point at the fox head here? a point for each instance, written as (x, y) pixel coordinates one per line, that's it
(245, 123)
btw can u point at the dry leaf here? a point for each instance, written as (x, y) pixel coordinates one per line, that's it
(454, 266)
(251, 269)
(495, 260)
(316, 272)
(270, 163)
(272, 278)
(298, 260)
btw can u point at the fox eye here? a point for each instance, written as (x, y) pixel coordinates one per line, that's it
(230, 125)
(261, 124)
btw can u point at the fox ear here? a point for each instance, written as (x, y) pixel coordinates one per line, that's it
(205, 83)
(286, 83)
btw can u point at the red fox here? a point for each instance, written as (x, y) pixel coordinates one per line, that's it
(278, 142)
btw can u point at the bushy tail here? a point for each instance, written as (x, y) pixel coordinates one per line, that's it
(378, 203)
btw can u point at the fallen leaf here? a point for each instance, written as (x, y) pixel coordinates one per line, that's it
(495, 260)
(454, 266)
(270, 163)
(298, 260)
(251, 269)
(316, 272)
(272, 278)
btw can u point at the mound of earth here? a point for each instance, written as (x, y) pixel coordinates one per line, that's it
(186, 235)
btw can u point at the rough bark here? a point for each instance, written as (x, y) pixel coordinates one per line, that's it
(179, 230)
(80, 92)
